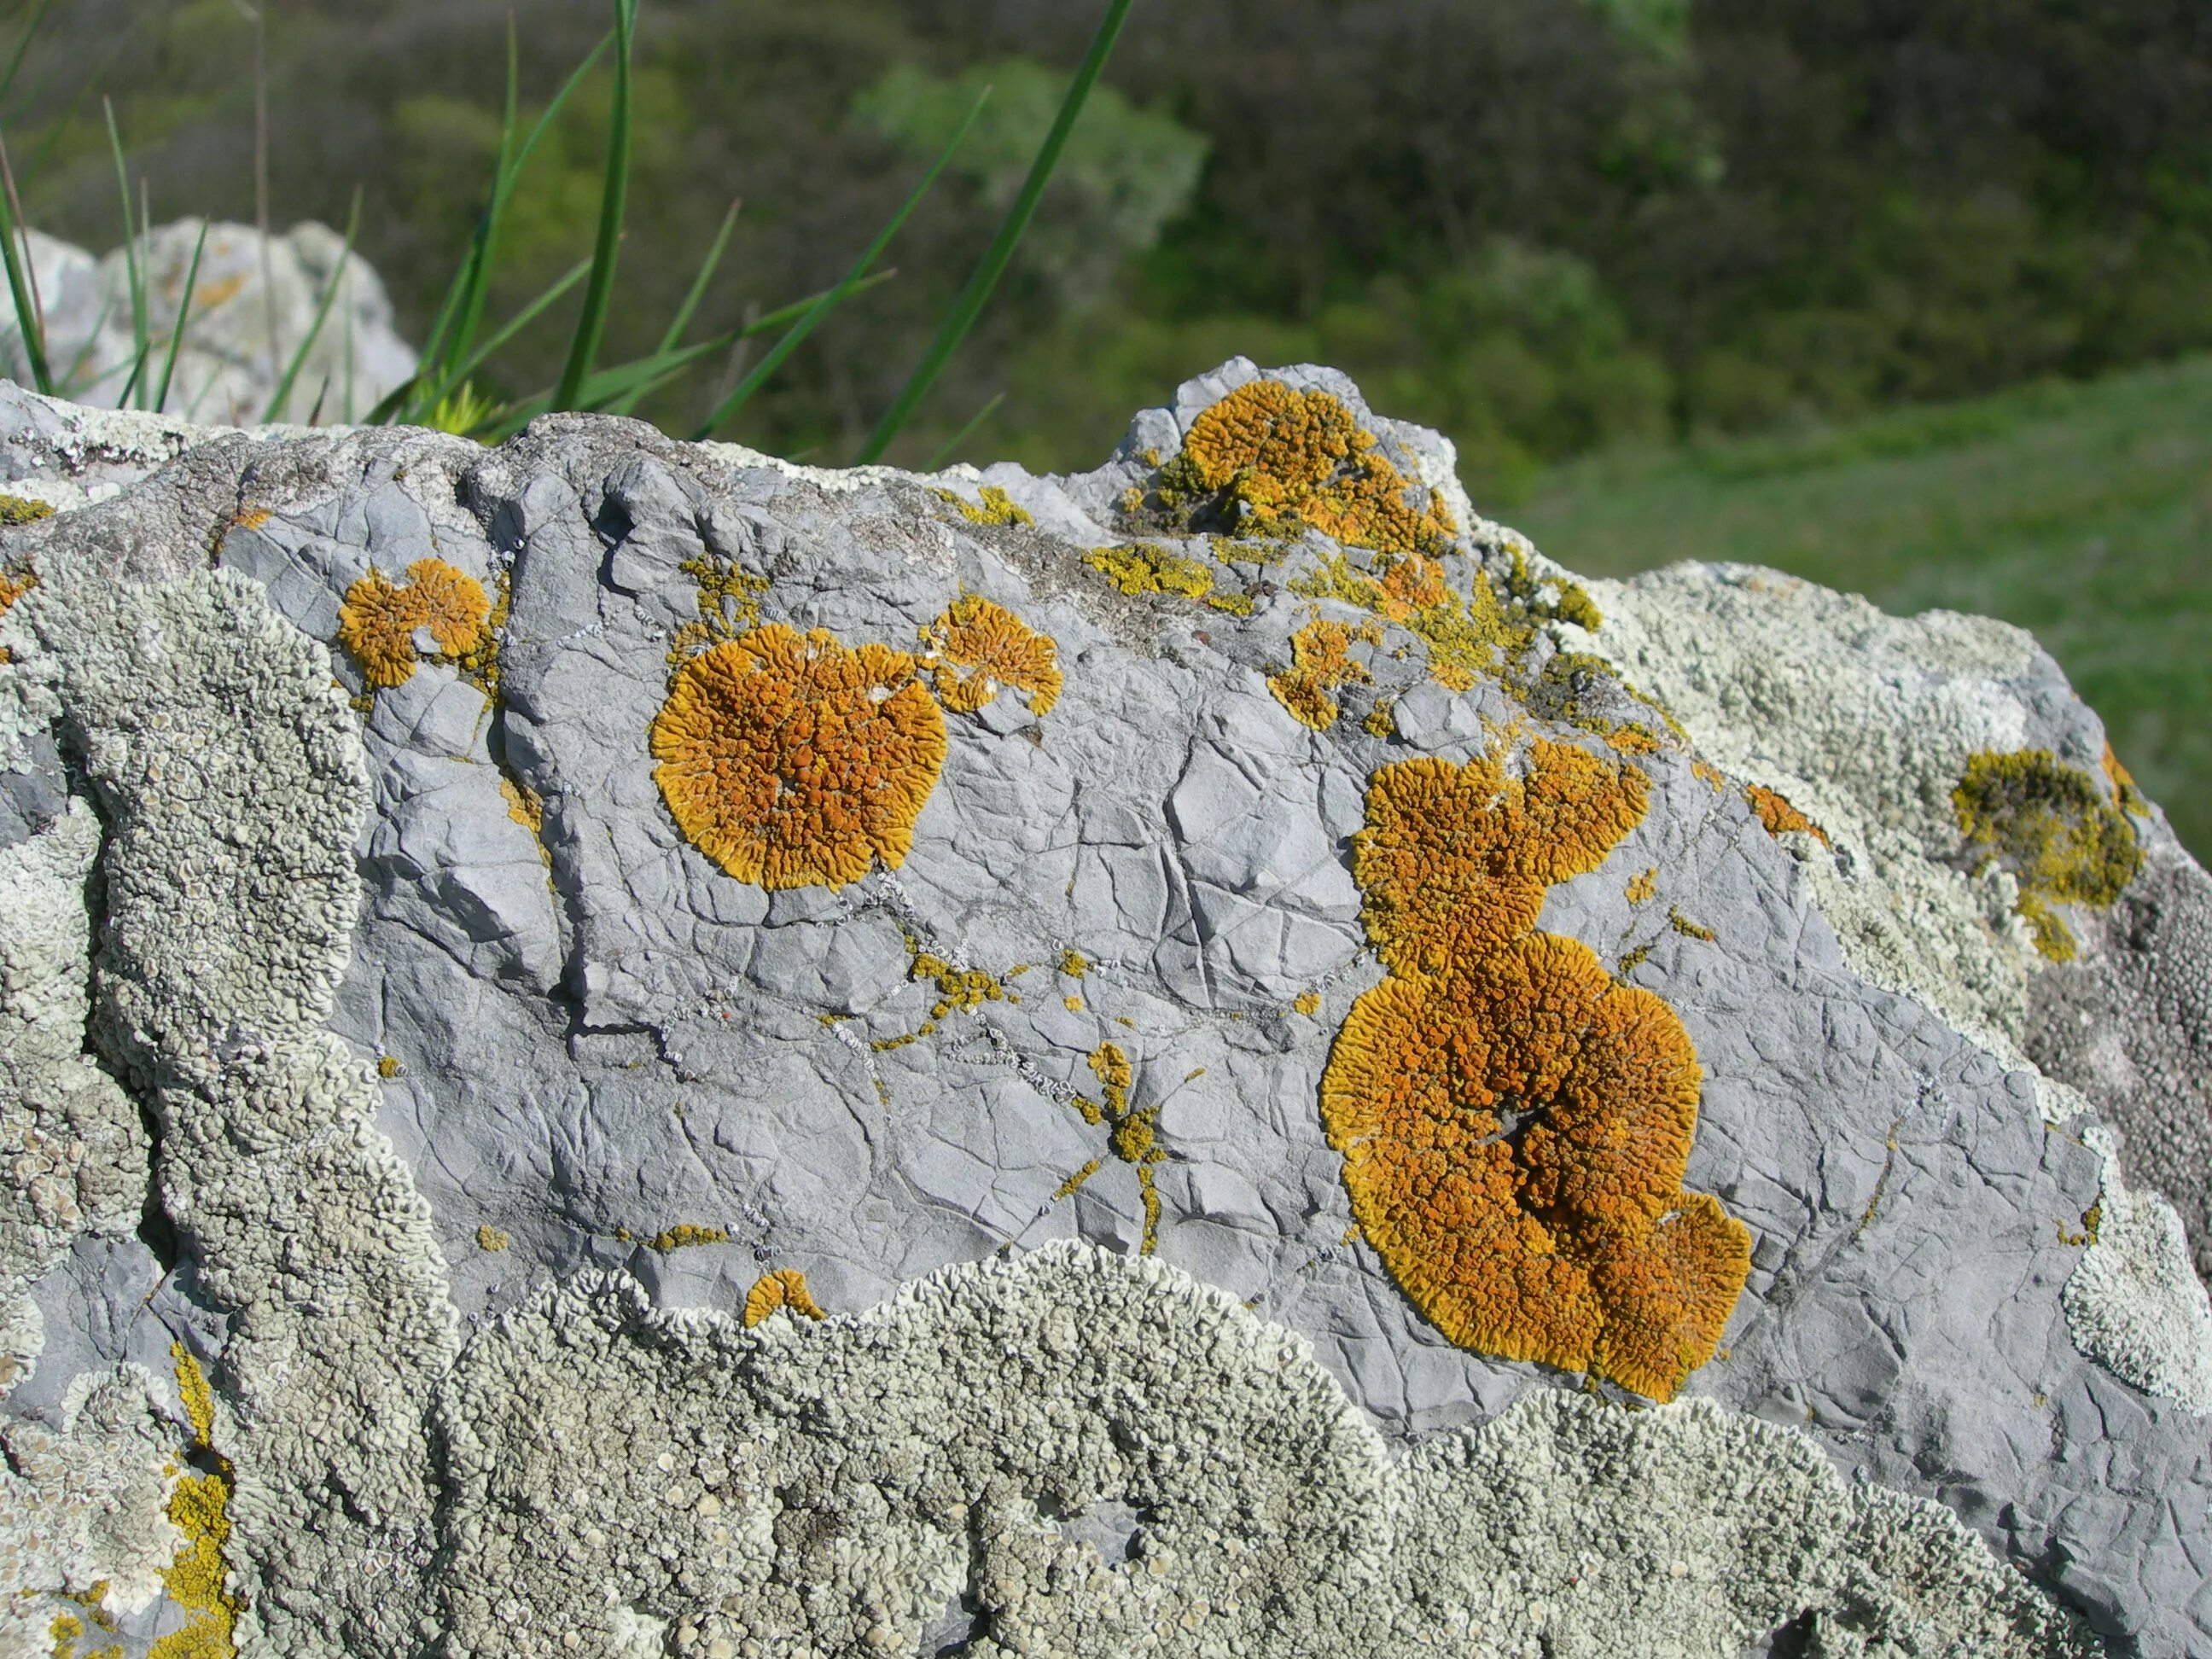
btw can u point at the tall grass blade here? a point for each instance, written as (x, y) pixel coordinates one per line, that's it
(68, 382)
(821, 308)
(26, 313)
(683, 319)
(972, 298)
(184, 313)
(138, 344)
(408, 399)
(22, 46)
(283, 391)
(591, 324)
(944, 455)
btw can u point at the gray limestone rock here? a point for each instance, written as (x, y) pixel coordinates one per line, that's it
(244, 295)
(476, 1109)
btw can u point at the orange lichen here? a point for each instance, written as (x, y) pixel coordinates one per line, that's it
(976, 646)
(1775, 811)
(1414, 584)
(2125, 791)
(1709, 775)
(1454, 860)
(1642, 887)
(377, 622)
(1280, 461)
(1515, 1125)
(784, 1289)
(792, 760)
(1631, 740)
(1320, 662)
(11, 591)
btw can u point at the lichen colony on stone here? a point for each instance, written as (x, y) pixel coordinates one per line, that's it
(793, 760)
(1515, 1125)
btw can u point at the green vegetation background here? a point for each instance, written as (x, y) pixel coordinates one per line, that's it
(1682, 278)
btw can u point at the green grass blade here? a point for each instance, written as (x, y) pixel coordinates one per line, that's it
(27, 314)
(184, 313)
(521, 320)
(464, 294)
(487, 242)
(972, 298)
(138, 342)
(822, 307)
(683, 318)
(962, 436)
(283, 391)
(22, 46)
(591, 323)
(91, 340)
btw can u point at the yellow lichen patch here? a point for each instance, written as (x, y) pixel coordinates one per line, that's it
(1320, 662)
(376, 625)
(1068, 1188)
(959, 990)
(792, 760)
(1514, 1124)
(1073, 1004)
(1307, 1003)
(1073, 964)
(2049, 825)
(523, 805)
(1631, 740)
(784, 1290)
(1278, 461)
(727, 601)
(1454, 860)
(1642, 887)
(1462, 634)
(996, 507)
(1139, 568)
(1382, 718)
(1130, 1133)
(489, 1238)
(1688, 929)
(684, 1235)
(19, 510)
(250, 518)
(976, 646)
(388, 1067)
(377, 622)
(1775, 811)
(199, 1508)
(1709, 774)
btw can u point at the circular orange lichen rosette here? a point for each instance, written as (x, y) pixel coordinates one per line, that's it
(793, 760)
(1514, 1138)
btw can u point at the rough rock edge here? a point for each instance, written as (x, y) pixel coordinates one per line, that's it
(258, 1432)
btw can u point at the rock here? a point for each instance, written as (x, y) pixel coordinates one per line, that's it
(533, 984)
(226, 371)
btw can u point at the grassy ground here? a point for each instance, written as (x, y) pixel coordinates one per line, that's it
(2080, 512)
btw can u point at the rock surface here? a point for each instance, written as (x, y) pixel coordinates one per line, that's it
(433, 1102)
(227, 370)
